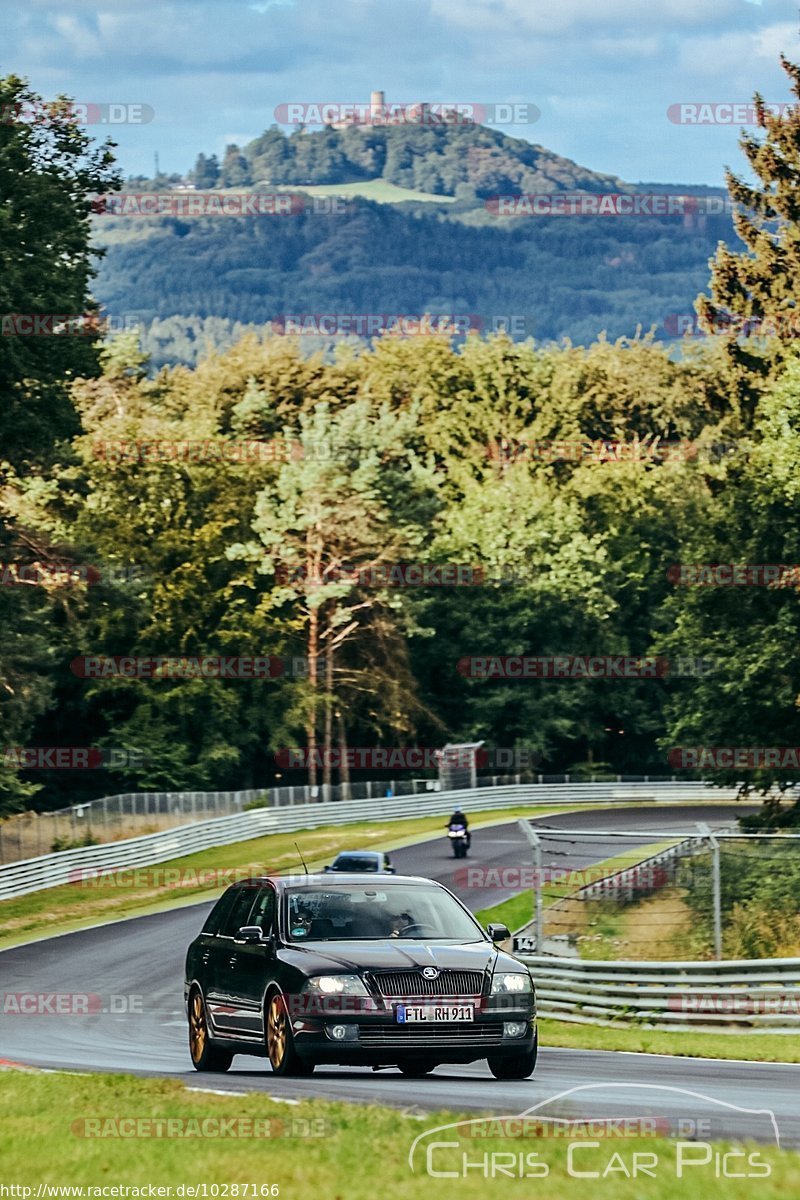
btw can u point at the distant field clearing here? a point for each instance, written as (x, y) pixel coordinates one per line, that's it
(371, 189)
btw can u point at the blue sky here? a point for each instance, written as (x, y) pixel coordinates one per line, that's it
(602, 72)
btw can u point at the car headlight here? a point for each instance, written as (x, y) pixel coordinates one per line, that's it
(506, 984)
(336, 985)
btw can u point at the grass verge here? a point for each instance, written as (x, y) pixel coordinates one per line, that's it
(317, 1148)
(200, 876)
(752, 1047)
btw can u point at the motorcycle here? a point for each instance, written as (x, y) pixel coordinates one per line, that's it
(458, 840)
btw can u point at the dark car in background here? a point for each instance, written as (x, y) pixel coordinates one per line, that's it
(362, 860)
(387, 971)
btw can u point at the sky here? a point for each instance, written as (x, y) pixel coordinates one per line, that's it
(602, 73)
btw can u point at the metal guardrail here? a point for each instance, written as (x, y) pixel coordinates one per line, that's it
(132, 814)
(732, 996)
(51, 870)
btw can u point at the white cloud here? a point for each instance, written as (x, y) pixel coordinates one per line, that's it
(602, 75)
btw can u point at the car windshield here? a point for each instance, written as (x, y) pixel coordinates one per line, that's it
(355, 862)
(372, 914)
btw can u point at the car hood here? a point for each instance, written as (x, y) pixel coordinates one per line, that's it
(407, 955)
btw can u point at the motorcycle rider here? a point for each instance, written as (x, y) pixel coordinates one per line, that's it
(459, 818)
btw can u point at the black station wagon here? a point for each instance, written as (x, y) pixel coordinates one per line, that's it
(388, 971)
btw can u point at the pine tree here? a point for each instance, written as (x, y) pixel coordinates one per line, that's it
(206, 171)
(755, 292)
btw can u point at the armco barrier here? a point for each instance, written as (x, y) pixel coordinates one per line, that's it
(733, 996)
(50, 870)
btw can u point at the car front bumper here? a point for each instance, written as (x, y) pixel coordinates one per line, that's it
(365, 1038)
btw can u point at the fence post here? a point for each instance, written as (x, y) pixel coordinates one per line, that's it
(536, 842)
(716, 887)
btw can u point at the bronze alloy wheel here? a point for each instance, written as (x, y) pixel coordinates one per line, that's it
(281, 1050)
(205, 1055)
(198, 1030)
(277, 1029)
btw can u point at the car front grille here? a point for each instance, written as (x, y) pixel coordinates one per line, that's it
(489, 1033)
(413, 983)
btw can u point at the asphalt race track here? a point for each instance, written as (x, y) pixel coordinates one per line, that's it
(133, 971)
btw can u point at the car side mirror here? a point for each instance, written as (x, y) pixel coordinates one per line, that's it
(390, 869)
(250, 933)
(326, 868)
(498, 933)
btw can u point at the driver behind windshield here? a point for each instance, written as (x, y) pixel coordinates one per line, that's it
(343, 914)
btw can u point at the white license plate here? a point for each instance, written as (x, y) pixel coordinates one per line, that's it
(432, 1013)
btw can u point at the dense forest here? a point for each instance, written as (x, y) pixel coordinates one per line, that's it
(192, 283)
(135, 521)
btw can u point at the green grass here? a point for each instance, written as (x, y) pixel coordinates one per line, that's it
(379, 190)
(514, 912)
(74, 906)
(754, 1047)
(355, 1152)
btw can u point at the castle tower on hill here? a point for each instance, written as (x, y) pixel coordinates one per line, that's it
(376, 113)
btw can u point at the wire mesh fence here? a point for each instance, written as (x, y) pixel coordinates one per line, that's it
(694, 896)
(30, 835)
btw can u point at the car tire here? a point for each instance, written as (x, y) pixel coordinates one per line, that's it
(281, 1052)
(503, 1066)
(416, 1070)
(204, 1055)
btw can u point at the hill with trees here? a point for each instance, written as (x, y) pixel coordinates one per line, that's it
(195, 282)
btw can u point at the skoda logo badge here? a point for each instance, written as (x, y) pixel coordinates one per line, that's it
(430, 973)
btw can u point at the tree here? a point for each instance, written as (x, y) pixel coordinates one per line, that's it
(752, 696)
(755, 292)
(48, 173)
(357, 499)
(206, 172)
(235, 170)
